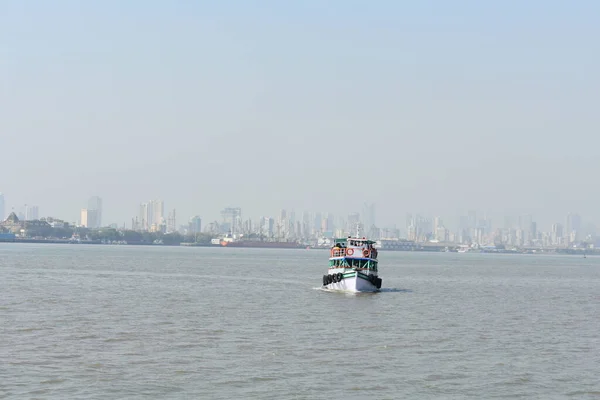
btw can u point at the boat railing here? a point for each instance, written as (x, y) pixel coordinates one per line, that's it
(343, 251)
(338, 252)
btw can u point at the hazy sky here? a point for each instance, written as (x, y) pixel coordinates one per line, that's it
(424, 106)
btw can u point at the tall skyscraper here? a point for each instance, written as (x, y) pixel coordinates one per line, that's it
(2, 217)
(195, 224)
(172, 222)
(353, 221)
(146, 216)
(152, 216)
(31, 213)
(368, 217)
(292, 224)
(439, 231)
(327, 223)
(317, 223)
(89, 218)
(472, 216)
(533, 230)
(573, 228)
(525, 226)
(409, 221)
(248, 227)
(232, 220)
(283, 224)
(307, 225)
(267, 225)
(95, 203)
(557, 234)
(158, 209)
(143, 217)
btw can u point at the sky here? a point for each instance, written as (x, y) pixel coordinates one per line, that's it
(429, 107)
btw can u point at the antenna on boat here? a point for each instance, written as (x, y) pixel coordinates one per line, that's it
(357, 230)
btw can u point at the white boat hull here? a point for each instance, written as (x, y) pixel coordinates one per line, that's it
(352, 284)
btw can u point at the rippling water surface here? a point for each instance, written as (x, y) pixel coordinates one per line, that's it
(153, 322)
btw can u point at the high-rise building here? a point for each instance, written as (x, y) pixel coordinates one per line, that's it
(248, 227)
(89, 218)
(152, 216)
(390, 233)
(158, 210)
(525, 221)
(146, 218)
(439, 231)
(409, 221)
(353, 221)
(31, 213)
(282, 224)
(317, 223)
(2, 207)
(95, 203)
(368, 217)
(557, 234)
(327, 224)
(292, 224)
(411, 232)
(472, 216)
(307, 226)
(232, 220)
(533, 230)
(195, 224)
(267, 225)
(171, 222)
(573, 227)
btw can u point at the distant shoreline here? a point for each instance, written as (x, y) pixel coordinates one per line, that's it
(578, 253)
(94, 242)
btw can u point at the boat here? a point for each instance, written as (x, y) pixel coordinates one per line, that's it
(463, 249)
(353, 266)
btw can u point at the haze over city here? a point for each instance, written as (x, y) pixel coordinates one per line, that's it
(325, 199)
(431, 108)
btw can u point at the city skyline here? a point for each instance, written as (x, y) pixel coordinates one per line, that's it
(156, 208)
(422, 107)
(472, 227)
(544, 217)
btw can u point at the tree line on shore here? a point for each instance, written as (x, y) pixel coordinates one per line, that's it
(116, 235)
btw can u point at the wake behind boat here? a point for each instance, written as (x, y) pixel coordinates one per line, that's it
(353, 266)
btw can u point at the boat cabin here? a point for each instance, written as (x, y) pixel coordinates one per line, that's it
(350, 246)
(354, 263)
(359, 253)
(354, 242)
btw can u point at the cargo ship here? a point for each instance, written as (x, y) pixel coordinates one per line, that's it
(228, 241)
(262, 244)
